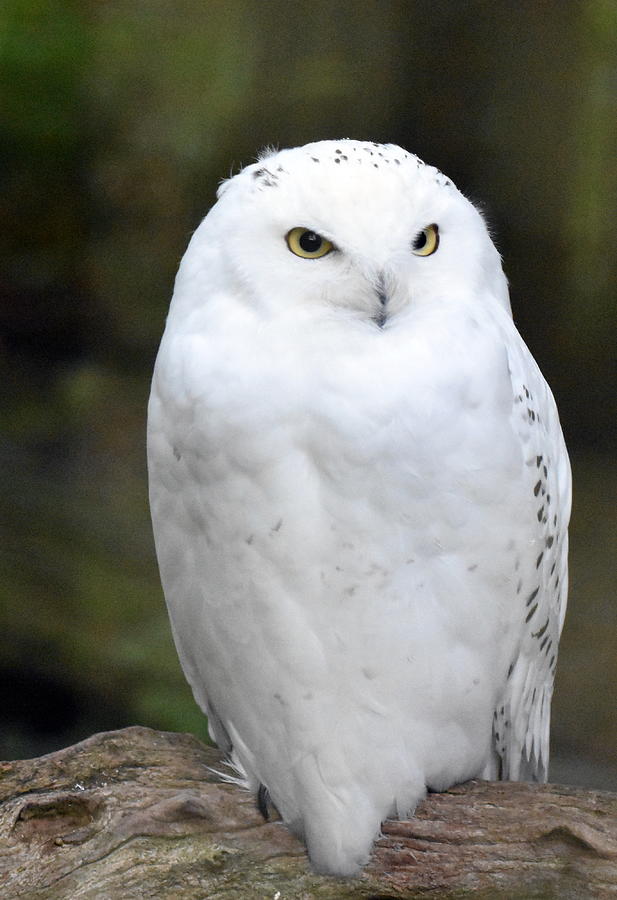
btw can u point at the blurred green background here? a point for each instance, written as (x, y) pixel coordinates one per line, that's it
(118, 120)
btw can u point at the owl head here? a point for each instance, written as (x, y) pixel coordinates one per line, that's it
(345, 229)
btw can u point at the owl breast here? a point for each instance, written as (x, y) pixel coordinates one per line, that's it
(335, 532)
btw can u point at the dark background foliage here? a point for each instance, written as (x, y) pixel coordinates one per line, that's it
(119, 119)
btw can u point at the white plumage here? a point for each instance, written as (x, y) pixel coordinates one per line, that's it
(360, 493)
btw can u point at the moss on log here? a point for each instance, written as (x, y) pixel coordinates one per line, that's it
(140, 814)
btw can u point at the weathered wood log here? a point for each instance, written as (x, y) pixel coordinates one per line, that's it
(141, 814)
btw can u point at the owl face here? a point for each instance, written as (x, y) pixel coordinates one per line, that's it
(347, 229)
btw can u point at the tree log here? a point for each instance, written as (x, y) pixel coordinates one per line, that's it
(143, 814)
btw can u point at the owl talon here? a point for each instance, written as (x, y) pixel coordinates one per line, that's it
(262, 800)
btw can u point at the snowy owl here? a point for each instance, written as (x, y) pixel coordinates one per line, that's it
(360, 493)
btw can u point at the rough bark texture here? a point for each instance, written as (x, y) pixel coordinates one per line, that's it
(140, 814)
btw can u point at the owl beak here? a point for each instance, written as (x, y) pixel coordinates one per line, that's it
(381, 315)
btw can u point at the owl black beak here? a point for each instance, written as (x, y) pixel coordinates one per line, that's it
(381, 315)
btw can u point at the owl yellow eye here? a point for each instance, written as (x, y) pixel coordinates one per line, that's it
(308, 244)
(426, 242)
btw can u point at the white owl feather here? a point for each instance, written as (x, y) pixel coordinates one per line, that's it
(360, 493)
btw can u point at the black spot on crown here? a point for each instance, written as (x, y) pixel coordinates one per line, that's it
(265, 177)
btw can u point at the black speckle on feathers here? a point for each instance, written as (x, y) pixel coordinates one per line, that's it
(532, 596)
(531, 612)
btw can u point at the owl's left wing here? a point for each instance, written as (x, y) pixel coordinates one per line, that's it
(521, 721)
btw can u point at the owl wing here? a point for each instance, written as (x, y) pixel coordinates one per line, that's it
(521, 721)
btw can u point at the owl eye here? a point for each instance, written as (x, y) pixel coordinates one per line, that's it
(426, 242)
(308, 244)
